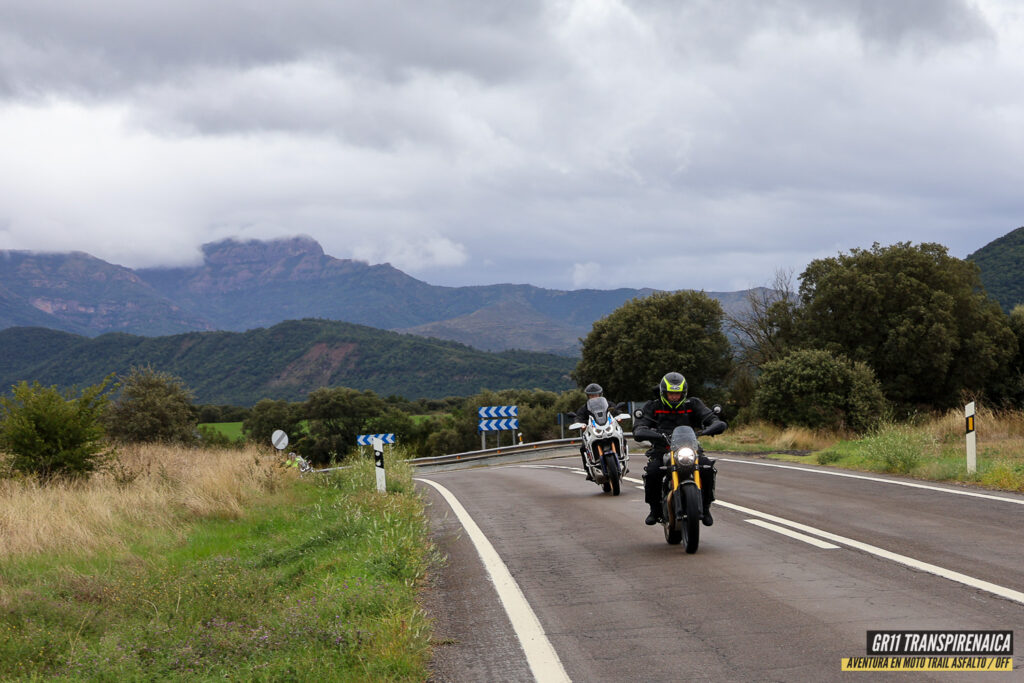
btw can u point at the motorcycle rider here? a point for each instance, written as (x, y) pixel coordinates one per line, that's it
(592, 390)
(656, 420)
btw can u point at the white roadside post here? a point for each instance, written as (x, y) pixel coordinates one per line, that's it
(378, 461)
(972, 440)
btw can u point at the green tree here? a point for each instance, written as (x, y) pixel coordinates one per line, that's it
(336, 417)
(151, 406)
(628, 351)
(1015, 378)
(53, 434)
(916, 315)
(816, 389)
(267, 416)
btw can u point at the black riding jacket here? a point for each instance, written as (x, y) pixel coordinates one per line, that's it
(663, 418)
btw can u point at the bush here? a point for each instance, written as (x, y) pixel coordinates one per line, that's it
(815, 389)
(153, 407)
(52, 434)
(898, 448)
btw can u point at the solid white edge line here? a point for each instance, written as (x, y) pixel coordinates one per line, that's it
(910, 484)
(540, 654)
(793, 534)
(1002, 591)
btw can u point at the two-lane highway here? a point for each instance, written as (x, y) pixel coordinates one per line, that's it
(799, 565)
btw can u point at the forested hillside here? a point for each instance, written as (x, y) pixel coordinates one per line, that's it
(1002, 268)
(285, 361)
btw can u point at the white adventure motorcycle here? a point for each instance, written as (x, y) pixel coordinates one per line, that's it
(604, 444)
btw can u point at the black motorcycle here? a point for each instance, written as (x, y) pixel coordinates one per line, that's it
(682, 501)
(688, 485)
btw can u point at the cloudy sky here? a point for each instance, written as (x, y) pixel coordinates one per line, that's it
(673, 144)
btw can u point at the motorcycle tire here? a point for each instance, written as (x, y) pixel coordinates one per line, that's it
(673, 536)
(673, 530)
(691, 524)
(611, 466)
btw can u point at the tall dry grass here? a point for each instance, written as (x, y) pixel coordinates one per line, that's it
(146, 487)
(991, 426)
(769, 436)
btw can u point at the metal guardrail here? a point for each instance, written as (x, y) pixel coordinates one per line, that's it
(491, 452)
(500, 450)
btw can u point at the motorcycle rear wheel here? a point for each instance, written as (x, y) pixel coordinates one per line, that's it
(673, 531)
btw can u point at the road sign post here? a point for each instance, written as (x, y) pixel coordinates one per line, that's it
(378, 464)
(972, 440)
(497, 419)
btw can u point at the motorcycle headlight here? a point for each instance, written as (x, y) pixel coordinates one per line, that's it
(685, 456)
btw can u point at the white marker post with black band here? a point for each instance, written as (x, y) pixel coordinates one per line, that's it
(972, 440)
(378, 461)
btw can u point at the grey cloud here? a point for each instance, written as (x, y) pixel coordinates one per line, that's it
(98, 48)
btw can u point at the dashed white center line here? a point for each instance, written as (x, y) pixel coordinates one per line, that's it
(793, 534)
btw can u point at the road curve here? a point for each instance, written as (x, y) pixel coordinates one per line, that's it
(618, 603)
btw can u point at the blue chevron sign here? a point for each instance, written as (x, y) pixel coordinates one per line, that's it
(498, 411)
(367, 439)
(497, 425)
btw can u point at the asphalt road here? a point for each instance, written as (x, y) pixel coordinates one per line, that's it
(616, 603)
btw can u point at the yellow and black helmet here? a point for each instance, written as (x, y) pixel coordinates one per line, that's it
(673, 383)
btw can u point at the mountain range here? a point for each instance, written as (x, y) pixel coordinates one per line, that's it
(242, 285)
(283, 362)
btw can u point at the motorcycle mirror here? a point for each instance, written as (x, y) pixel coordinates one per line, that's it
(716, 409)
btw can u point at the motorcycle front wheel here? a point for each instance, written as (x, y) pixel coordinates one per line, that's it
(611, 466)
(691, 525)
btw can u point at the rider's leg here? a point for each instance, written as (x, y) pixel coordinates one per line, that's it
(652, 487)
(583, 457)
(707, 488)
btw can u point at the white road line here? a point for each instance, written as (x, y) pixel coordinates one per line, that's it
(793, 534)
(540, 655)
(1002, 591)
(973, 494)
(995, 589)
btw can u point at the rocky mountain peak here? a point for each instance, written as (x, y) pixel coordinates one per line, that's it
(235, 252)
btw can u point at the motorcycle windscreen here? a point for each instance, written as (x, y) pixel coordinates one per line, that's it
(598, 407)
(683, 437)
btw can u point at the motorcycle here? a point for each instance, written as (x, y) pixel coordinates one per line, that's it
(682, 495)
(605, 449)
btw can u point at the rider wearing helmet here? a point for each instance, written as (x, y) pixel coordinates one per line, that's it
(656, 420)
(592, 390)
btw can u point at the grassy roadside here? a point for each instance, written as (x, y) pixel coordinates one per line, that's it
(198, 565)
(929, 447)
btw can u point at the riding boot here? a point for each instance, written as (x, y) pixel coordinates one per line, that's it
(707, 491)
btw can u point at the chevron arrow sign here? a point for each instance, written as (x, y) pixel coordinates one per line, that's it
(498, 411)
(497, 425)
(367, 439)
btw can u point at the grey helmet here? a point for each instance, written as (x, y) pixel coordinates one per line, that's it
(673, 383)
(593, 389)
